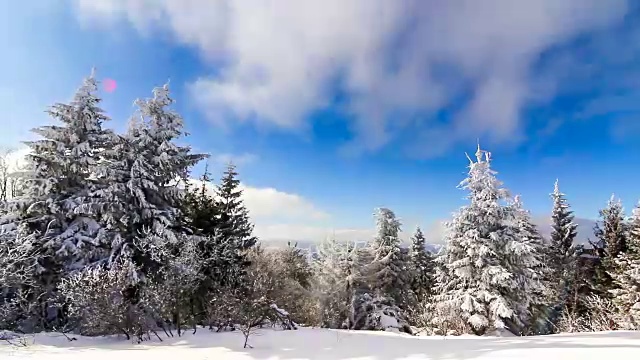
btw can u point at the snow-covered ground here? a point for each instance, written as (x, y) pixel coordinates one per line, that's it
(333, 345)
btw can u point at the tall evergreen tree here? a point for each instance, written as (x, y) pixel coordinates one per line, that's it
(626, 277)
(144, 174)
(422, 267)
(633, 240)
(234, 220)
(563, 228)
(234, 226)
(563, 254)
(387, 275)
(56, 206)
(478, 284)
(612, 242)
(527, 257)
(199, 206)
(201, 216)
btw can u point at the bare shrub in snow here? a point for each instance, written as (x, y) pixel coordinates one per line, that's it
(178, 281)
(100, 301)
(16, 269)
(447, 321)
(252, 304)
(602, 315)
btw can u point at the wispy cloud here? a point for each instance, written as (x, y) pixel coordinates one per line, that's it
(396, 60)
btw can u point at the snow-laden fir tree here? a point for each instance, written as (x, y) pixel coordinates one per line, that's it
(526, 255)
(421, 266)
(611, 232)
(626, 277)
(199, 207)
(626, 294)
(384, 291)
(479, 285)
(386, 274)
(144, 173)
(201, 216)
(234, 222)
(633, 239)
(563, 232)
(56, 203)
(563, 255)
(563, 229)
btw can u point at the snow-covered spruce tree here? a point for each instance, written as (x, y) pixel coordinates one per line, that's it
(199, 207)
(479, 285)
(200, 214)
(233, 224)
(221, 219)
(633, 237)
(626, 277)
(336, 277)
(234, 217)
(526, 256)
(563, 257)
(387, 272)
(385, 287)
(611, 231)
(421, 266)
(144, 173)
(56, 204)
(626, 293)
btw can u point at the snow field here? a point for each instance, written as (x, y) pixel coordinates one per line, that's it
(307, 343)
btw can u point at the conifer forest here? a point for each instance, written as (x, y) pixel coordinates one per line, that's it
(106, 233)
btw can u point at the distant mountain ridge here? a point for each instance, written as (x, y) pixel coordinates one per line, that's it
(435, 234)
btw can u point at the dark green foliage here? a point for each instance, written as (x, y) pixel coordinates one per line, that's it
(217, 215)
(563, 255)
(234, 220)
(422, 266)
(611, 232)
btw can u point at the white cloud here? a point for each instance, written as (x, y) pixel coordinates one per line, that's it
(279, 215)
(269, 203)
(280, 58)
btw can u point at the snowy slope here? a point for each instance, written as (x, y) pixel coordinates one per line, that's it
(334, 345)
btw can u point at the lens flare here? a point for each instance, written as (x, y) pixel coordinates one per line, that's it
(109, 85)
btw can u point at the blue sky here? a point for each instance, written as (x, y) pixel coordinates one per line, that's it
(334, 108)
